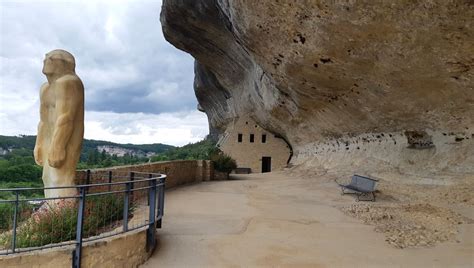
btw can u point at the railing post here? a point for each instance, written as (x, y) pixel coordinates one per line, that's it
(148, 200)
(15, 220)
(132, 178)
(161, 201)
(162, 208)
(88, 178)
(110, 180)
(151, 231)
(126, 206)
(76, 254)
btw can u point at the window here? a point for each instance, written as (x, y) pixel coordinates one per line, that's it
(251, 137)
(239, 137)
(264, 138)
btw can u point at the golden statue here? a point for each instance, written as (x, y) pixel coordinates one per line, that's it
(61, 126)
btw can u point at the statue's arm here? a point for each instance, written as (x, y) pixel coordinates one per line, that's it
(68, 99)
(40, 135)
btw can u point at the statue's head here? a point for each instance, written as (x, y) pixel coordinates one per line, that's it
(59, 61)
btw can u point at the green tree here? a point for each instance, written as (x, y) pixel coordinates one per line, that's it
(107, 162)
(103, 155)
(223, 163)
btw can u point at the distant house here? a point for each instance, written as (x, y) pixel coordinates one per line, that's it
(254, 147)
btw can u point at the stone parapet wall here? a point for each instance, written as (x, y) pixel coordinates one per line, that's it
(126, 250)
(177, 172)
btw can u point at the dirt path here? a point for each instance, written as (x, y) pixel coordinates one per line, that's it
(281, 220)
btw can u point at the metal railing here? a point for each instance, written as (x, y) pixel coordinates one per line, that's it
(95, 212)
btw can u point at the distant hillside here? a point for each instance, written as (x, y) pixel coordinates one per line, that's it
(28, 142)
(199, 150)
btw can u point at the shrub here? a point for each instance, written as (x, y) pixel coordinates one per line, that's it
(6, 214)
(223, 162)
(58, 224)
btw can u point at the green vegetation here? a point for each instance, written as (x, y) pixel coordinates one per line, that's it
(96, 159)
(223, 162)
(193, 151)
(28, 142)
(205, 149)
(58, 224)
(18, 168)
(89, 150)
(6, 214)
(18, 165)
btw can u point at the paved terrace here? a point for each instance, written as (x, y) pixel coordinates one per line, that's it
(274, 220)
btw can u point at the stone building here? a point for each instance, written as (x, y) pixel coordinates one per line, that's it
(254, 147)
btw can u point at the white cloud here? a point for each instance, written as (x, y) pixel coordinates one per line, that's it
(169, 128)
(121, 56)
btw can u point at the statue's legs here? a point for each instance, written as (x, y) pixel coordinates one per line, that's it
(62, 177)
(65, 175)
(59, 177)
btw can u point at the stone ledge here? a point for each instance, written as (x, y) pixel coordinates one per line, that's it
(124, 250)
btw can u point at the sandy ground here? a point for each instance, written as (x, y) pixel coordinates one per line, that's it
(299, 219)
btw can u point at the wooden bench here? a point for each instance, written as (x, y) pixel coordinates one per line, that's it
(361, 186)
(242, 170)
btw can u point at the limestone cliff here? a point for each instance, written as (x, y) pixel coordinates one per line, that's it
(324, 74)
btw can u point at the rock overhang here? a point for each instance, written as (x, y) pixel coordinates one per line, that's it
(315, 71)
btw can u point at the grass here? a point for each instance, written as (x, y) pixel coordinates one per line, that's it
(6, 214)
(24, 209)
(58, 224)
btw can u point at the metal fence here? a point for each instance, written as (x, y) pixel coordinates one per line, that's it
(124, 203)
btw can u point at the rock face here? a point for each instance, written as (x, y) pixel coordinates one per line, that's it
(120, 152)
(316, 72)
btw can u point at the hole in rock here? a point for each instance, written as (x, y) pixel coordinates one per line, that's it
(419, 139)
(325, 60)
(302, 38)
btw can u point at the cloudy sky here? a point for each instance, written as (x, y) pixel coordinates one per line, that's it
(138, 87)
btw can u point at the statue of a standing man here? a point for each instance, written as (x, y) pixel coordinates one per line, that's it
(61, 126)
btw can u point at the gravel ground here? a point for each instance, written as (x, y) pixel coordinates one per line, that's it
(416, 215)
(410, 225)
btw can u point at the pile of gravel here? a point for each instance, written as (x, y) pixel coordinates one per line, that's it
(409, 225)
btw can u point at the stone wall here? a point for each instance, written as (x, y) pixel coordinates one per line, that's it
(177, 172)
(249, 154)
(126, 250)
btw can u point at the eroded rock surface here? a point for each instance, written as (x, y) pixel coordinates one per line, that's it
(317, 72)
